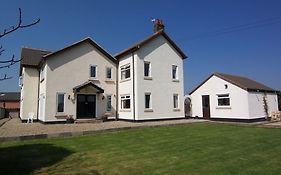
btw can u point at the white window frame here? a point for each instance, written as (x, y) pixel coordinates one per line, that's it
(107, 107)
(223, 96)
(124, 68)
(149, 69)
(90, 71)
(21, 81)
(177, 72)
(175, 105)
(57, 103)
(125, 97)
(110, 68)
(150, 101)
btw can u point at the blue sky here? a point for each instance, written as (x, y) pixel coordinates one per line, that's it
(253, 50)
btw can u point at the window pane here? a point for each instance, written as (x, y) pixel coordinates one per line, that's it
(174, 72)
(147, 101)
(125, 102)
(60, 107)
(146, 69)
(93, 71)
(127, 73)
(108, 73)
(176, 101)
(223, 102)
(108, 105)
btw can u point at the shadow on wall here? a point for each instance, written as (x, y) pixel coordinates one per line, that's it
(25, 159)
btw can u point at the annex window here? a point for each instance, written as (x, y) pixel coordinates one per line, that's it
(60, 102)
(108, 73)
(147, 97)
(21, 81)
(176, 101)
(93, 71)
(125, 102)
(147, 69)
(125, 72)
(174, 72)
(223, 100)
(108, 103)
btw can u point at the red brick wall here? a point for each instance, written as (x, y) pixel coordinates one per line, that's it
(10, 105)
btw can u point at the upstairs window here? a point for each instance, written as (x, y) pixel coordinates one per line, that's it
(223, 100)
(147, 69)
(125, 102)
(21, 81)
(93, 71)
(174, 72)
(60, 102)
(108, 73)
(125, 72)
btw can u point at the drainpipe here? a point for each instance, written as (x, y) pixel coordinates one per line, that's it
(38, 95)
(117, 92)
(134, 100)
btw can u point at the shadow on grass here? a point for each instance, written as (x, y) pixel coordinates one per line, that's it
(25, 159)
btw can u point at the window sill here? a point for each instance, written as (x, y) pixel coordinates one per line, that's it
(128, 79)
(176, 109)
(93, 79)
(223, 107)
(148, 110)
(147, 78)
(175, 80)
(125, 110)
(109, 80)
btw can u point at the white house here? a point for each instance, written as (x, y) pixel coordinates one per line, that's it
(84, 81)
(223, 96)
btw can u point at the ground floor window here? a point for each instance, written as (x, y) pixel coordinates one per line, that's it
(108, 103)
(60, 102)
(223, 100)
(147, 100)
(125, 102)
(176, 101)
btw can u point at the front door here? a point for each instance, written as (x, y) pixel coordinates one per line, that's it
(86, 106)
(206, 106)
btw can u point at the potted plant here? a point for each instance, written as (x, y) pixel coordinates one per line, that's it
(69, 119)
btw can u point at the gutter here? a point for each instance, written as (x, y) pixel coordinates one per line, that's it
(117, 92)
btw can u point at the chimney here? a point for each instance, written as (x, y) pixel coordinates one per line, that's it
(158, 25)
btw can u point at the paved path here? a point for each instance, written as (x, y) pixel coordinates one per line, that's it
(15, 129)
(273, 125)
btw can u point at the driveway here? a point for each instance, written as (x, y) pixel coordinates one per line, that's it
(15, 128)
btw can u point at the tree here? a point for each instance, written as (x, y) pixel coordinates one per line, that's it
(7, 63)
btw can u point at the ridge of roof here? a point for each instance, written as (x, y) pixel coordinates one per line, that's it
(239, 81)
(148, 39)
(88, 39)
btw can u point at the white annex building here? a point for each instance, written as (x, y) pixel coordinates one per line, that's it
(224, 96)
(84, 81)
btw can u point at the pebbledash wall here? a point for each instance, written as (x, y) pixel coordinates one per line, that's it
(161, 56)
(243, 104)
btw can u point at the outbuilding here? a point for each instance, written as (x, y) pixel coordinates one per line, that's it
(231, 97)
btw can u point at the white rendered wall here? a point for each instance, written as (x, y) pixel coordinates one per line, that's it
(161, 56)
(42, 96)
(238, 100)
(256, 104)
(29, 92)
(125, 88)
(71, 68)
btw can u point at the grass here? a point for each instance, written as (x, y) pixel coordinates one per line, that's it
(199, 148)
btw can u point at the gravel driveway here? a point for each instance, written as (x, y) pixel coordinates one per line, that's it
(15, 127)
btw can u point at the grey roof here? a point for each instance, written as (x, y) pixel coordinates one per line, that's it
(9, 96)
(242, 82)
(32, 57)
(86, 84)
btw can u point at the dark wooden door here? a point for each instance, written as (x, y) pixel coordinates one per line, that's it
(206, 106)
(86, 106)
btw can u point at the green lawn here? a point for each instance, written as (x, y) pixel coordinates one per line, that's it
(199, 148)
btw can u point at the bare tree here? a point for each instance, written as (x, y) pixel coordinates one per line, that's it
(10, 62)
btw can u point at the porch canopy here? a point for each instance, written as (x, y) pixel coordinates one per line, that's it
(88, 85)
